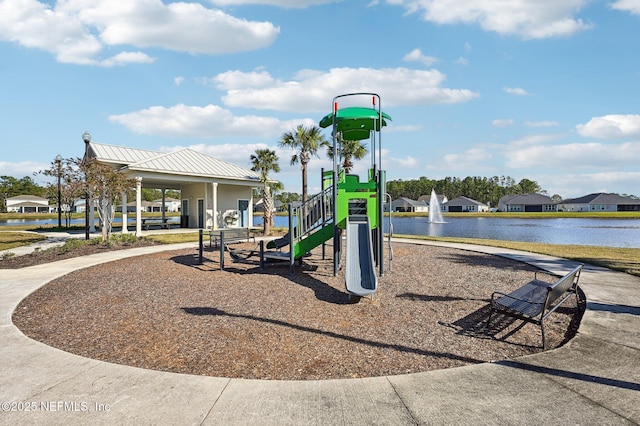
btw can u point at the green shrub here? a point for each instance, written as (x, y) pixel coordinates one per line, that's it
(75, 243)
(124, 238)
(7, 255)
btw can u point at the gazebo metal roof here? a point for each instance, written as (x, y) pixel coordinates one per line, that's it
(170, 169)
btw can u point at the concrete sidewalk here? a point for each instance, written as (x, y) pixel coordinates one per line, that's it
(53, 239)
(595, 379)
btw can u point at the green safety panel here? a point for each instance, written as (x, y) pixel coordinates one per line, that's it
(312, 241)
(355, 123)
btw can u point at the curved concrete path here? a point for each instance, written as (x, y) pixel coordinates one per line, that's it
(595, 379)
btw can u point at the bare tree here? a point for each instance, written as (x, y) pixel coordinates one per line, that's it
(71, 184)
(106, 184)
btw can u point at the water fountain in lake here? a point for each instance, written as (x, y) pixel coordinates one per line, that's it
(435, 213)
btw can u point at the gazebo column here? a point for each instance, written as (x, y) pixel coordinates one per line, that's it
(214, 204)
(164, 190)
(125, 228)
(138, 206)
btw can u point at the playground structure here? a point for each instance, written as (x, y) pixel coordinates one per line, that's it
(345, 204)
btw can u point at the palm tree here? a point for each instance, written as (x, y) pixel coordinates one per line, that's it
(348, 150)
(306, 141)
(265, 161)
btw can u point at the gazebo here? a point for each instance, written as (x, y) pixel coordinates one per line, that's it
(214, 193)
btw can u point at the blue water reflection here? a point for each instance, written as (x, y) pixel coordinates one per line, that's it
(587, 231)
(597, 232)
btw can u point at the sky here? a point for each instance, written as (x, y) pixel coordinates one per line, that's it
(544, 90)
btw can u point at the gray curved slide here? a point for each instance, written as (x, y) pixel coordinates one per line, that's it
(360, 273)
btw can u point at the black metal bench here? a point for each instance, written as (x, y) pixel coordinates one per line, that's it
(230, 235)
(163, 223)
(536, 300)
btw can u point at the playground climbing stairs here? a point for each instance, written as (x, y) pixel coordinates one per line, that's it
(312, 223)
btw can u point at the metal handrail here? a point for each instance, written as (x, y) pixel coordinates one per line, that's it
(315, 213)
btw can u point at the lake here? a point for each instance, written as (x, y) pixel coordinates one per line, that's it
(587, 231)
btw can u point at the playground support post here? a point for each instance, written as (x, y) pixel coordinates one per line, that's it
(334, 189)
(221, 250)
(262, 255)
(323, 211)
(200, 244)
(380, 213)
(292, 240)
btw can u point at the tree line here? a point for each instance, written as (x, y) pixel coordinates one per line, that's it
(483, 189)
(12, 187)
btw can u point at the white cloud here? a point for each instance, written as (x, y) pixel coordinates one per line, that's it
(611, 126)
(185, 27)
(541, 123)
(471, 159)
(416, 55)
(310, 89)
(502, 122)
(462, 61)
(178, 80)
(407, 128)
(529, 19)
(23, 168)
(259, 90)
(632, 6)
(35, 25)
(124, 58)
(287, 4)
(517, 91)
(573, 156)
(238, 80)
(572, 185)
(210, 121)
(536, 139)
(76, 31)
(395, 163)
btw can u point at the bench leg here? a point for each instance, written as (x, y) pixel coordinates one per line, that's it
(489, 319)
(544, 342)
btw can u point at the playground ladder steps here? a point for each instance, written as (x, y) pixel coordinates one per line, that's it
(314, 214)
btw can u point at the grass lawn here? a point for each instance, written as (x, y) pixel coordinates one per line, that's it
(619, 259)
(11, 239)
